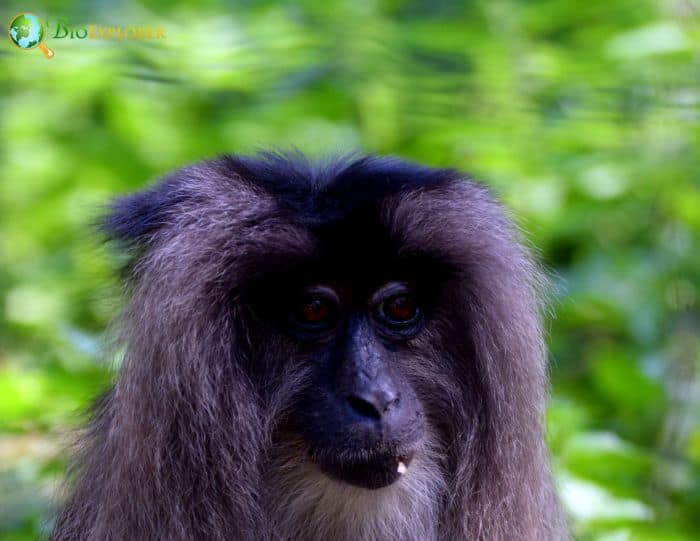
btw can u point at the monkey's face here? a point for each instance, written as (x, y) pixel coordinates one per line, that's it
(363, 421)
(357, 413)
(355, 331)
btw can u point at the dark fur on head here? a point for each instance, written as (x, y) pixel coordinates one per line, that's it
(185, 446)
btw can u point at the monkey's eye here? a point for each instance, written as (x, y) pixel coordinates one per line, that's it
(399, 310)
(316, 310)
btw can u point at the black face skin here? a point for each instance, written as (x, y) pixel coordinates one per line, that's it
(361, 416)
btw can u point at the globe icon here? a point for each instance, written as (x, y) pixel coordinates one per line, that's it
(26, 31)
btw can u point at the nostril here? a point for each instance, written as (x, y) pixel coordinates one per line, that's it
(363, 407)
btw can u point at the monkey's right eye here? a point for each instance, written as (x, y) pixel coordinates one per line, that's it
(317, 310)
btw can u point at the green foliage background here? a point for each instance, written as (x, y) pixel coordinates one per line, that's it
(583, 115)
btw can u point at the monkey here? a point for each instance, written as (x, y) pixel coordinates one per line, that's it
(341, 349)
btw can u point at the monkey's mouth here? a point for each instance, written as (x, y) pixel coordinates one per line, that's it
(366, 470)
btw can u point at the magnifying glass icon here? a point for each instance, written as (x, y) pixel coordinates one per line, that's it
(26, 31)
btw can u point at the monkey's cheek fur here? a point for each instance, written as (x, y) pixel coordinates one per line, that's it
(376, 471)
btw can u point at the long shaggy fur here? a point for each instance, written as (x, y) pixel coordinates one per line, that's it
(191, 443)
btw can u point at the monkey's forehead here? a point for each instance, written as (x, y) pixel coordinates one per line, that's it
(344, 206)
(314, 193)
(349, 215)
(328, 192)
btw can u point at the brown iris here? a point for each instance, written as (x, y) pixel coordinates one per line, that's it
(400, 309)
(315, 311)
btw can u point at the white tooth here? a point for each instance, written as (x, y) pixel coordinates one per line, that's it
(401, 468)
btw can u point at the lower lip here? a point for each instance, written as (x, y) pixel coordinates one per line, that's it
(373, 474)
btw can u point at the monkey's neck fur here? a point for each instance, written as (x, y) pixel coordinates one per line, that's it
(304, 503)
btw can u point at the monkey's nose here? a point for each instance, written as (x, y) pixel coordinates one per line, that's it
(372, 405)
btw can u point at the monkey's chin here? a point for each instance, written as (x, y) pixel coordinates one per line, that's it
(374, 472)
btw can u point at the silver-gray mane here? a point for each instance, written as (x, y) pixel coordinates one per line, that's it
(185, 444)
